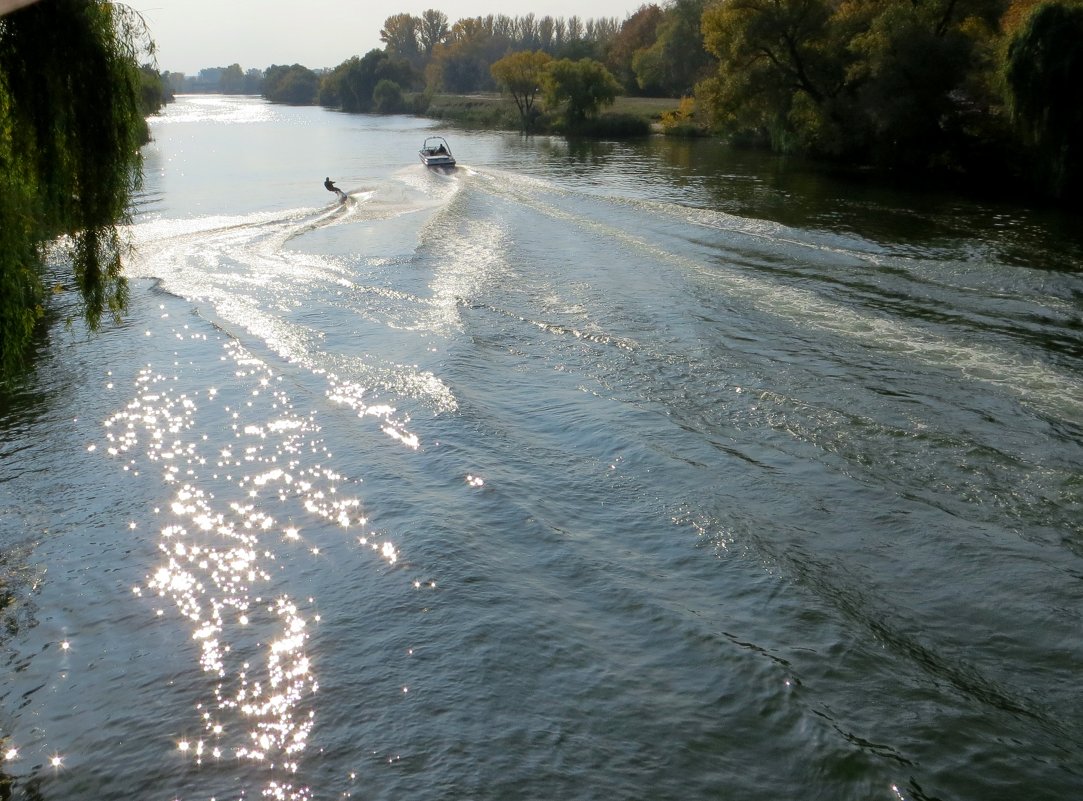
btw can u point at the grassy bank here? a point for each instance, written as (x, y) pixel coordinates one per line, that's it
(628, 116)
(488, 110)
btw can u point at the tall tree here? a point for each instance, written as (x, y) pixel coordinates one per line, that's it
(351, 86)
(462, 65)
(295, 85)
(504, 28)
(1044, 74)
(899, 84)
(432, 31)
(546, 33)
(71, 123)
(581, 88)
(521, 75)
(909, 65)
(575, 28)
(400, 36)
(526, 32)
(673, 63)
(232, 80)
(560, 33)
(253, 81)
(772, 61)
(638, 32)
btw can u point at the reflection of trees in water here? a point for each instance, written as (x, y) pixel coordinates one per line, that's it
(29, 788)
(7, 600)
(18, 581)
(578, 151)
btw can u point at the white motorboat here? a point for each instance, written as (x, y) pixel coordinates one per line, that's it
(436, 152)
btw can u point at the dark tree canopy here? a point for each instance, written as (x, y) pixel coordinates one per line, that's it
(294, 85)
(1045, 76)
(71, 124)
(352, 85)
(580, 87)
(917, 88)
(521, 75)
(638, 32)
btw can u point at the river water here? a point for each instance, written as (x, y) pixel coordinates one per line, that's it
(626, 471)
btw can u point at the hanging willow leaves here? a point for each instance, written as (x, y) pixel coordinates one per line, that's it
(1044, 73)
(71, 125)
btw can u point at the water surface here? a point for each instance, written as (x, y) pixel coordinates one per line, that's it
(611, 470)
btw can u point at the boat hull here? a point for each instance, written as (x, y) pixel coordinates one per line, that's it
(435, 152)
(437, 161)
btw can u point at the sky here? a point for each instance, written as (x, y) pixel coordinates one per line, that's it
(193, 34)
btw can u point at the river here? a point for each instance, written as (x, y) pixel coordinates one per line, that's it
(645, 470)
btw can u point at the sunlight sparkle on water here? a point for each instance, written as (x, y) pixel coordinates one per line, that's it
(389, 553)
(405, 437)
(220, 543)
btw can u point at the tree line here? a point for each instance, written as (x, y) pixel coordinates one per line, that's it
(427, 54)
(974, 87)
(966, 88)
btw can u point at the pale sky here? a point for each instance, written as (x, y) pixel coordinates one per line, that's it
(193, 34)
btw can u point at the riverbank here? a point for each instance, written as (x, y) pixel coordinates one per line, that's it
(632, 117)
(628, 116)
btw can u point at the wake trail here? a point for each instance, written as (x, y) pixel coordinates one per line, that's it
(1042, 386)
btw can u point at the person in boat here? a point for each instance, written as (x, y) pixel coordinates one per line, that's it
(441, 150)
(329, 185)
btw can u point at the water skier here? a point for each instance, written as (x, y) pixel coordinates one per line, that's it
(329, 185)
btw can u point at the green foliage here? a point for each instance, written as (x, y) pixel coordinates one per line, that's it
(71, 123)
(520, 75)
(387, 97)
(577, 49)
(1044, 73)
(458, 59)
(682, 120)
(481, 111)
(21, 290)
(461, 64)
(232, 81)
(763, 49)
(154, 90)
(769, 52)
(401, 37)
(294, 85)
(580, 88)
(432, 30)
(907, 68)
(905, 85)
(628, 116)
(676, 59)
(351, 86)
(637, 33)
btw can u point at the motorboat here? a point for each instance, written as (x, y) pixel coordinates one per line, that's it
(436, 152)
